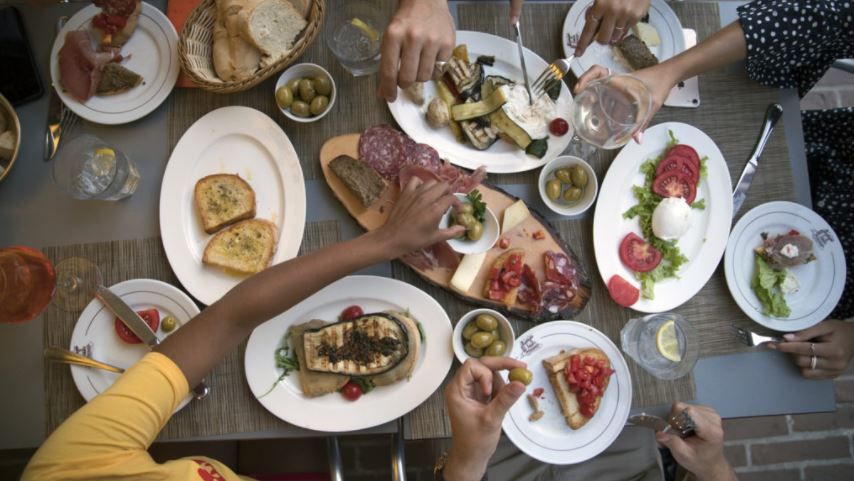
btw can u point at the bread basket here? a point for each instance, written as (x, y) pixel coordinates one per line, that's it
(195, 48)
(13, 124)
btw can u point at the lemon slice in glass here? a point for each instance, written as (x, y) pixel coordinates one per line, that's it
(667, 343)
(366, 29)
(105, 151)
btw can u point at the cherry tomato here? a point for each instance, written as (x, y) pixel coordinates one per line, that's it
(558, 127)
(352, 312)
(150, 316)
(504, 243)
(351, 391)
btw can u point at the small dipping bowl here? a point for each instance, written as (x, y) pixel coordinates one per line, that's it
(486, 241)
(505, 331)
(590, 190)
(305, 70)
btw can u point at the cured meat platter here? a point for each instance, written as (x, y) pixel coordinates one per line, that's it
(561, 289)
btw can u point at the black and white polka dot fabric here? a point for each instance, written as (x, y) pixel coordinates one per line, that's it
(791, 44)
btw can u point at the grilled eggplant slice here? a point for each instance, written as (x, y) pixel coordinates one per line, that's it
(492, 82)
(479, 132)
(366, 346)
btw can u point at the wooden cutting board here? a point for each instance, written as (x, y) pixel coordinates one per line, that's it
(497, 200)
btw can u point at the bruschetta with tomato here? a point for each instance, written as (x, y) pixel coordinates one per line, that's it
(505, 276)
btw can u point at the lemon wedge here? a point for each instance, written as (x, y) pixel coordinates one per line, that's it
(366, 29)
(105, 151)
(667, 343)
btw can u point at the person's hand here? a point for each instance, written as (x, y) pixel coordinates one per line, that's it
(703, 453)
(831, 341)
(515, 10)
(414, 221)
(477, 400)
(420, 33)
(608, 21)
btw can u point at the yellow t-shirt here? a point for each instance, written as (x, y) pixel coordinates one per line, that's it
(108, 438)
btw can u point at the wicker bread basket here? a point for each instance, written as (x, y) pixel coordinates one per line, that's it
(195, 48)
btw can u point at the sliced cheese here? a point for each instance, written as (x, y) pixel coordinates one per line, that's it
(514, 215)
(467, 271)
(647, 33)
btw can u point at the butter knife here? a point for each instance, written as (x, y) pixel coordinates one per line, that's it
(522, 61)
(54, 112)
(773, 114)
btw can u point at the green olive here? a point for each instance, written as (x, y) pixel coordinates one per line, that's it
(322, 85)
(293, 84)
(168, 324)
(497, 348)
(553, 189)
(284, 96)
(572, 194)
(485, 322)
(469, 330)
(495, 334)
(481, 339)
(300, 108)
(306, 90)
(473, 351)
(579, 176)
(465, 220)
(465, 208)
(521, 374)
(474, 231)
(564, 175)
(319, 104)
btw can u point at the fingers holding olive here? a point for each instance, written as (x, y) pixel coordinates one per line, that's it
(521, 374)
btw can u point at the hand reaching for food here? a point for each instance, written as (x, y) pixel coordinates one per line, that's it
(702, 454)
(608, 21)
(831, 342)
(420, 33)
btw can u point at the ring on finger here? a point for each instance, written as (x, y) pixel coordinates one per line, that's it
(812, 348)
(813, 362)
(620, 28)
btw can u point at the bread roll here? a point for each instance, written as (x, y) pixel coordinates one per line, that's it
(234, 58)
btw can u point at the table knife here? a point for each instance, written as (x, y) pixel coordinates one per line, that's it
(54, 113)
(775, 111)
(522, 62)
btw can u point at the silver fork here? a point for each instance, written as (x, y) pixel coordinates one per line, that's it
(552, 74)
(67, 121)
(751, 338)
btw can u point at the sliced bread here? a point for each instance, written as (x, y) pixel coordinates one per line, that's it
(302, 6)
(223, 199)
(569, 405)
(272, 26)
(246, 247)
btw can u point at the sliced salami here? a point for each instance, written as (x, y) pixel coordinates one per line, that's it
(422, 155)
(381, 147)
(529, 289)
(556, 296)
(559, 268)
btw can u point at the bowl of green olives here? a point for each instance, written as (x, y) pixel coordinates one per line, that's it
(305, 92)
(483, 332)
(481, 225)
(568, 185)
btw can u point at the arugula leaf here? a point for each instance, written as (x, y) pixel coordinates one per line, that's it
(704, 172)
(477, 204)
(367, 384)
(699, 204)
(285, 360)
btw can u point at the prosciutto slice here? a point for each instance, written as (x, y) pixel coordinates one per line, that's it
(437, 255)
(80, 66)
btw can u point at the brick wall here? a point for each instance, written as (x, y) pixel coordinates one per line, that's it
(835, 89)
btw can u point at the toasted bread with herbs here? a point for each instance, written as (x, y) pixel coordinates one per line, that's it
(555, 367)
(246, 247)
(222, 200)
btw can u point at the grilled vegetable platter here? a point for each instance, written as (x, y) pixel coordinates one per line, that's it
(530, 272)
(476, 112)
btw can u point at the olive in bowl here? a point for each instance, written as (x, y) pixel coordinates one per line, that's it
(482, 332)
(481, 225)
(568, 185)
(305, 92)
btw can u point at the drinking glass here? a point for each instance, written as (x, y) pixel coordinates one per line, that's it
(89, 168)
(638, 340)
(355, 37)
(610, 110)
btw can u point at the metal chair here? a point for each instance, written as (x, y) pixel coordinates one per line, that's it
(398, 460)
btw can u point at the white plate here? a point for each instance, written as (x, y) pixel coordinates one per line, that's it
(96, 328)
(550, 440)
(153, 52)
(822, 280)
(703, 244)
(661, 16)
(501, 157)
(333, 413)
(235, 140)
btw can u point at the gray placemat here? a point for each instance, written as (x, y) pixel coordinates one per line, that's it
(230, 408)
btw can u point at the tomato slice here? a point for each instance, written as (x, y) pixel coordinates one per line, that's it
(622, 292)
(678, 163)
(638, 255)
(675, 184)
(150, 316)
(685, 151)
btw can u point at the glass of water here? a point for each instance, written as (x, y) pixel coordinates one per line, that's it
(664, 344)
(354, 37)
(610, 110)
(88, 168)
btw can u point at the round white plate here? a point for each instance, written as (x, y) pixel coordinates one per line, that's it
(501, 157)
(234, 140)
(333, 413)
(822, 280)
(703, 244)
(661, 16)
(153, 52)
(96, 328)
(550, 439)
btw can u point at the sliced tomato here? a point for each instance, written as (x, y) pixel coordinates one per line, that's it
(678, 163)
(586, 410)
(637, 254)
(622, 292)
(150, 316)
(686, 151)
(675, 184)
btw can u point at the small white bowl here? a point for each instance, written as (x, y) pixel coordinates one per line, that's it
(486, 241)
(586, 200)
(305, 70)
(505, 330)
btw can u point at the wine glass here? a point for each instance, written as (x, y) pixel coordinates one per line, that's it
(609, 111)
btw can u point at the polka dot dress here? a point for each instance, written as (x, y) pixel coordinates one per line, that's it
(791, 44)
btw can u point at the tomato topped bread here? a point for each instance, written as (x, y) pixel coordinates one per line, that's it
(222, 200)
(579, 378)
(505, 277)
(246, 247)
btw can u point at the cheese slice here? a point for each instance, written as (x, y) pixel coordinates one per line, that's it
(514, 215)
(647, 33)
(467, 271)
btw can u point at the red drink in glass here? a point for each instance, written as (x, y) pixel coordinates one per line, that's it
(27, 283)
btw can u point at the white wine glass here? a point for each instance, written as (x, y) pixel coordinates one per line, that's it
(609, 111)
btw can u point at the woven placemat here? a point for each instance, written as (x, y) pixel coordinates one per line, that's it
(230, 408)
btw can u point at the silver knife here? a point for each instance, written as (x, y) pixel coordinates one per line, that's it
(522, 62)
(54, 112)
(775, 111)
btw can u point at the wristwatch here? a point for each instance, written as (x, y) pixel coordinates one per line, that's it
(439, 468)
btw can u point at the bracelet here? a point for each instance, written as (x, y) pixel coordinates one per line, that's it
(439, 468)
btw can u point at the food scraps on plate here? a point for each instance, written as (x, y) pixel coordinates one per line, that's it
(772, 278)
